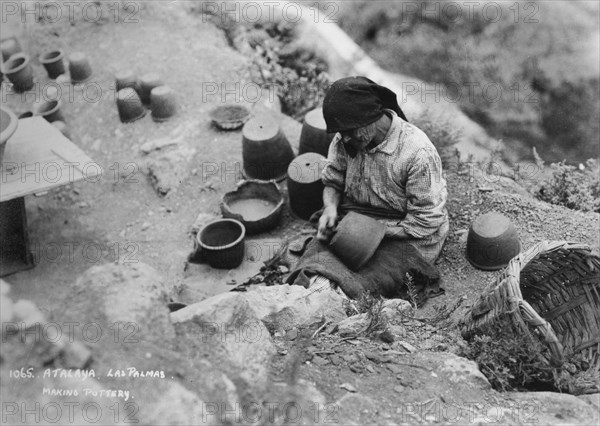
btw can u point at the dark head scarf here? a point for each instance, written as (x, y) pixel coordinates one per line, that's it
(354, 102)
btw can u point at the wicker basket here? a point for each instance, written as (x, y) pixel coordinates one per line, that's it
(551, 293)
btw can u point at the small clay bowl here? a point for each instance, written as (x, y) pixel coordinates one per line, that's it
(229, 117)
(79, 67)
(222, 243)
(50, 110)
(162, 103)
(8, 126)
(126, 78)
(53, 62)
(148, 82)
(492, 242)
(256, 204)
(356, 239)
(19, 71)
(129, 105)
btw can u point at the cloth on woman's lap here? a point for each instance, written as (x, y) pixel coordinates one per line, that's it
(385, 274)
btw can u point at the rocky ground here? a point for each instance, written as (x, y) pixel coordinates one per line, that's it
(275, 352)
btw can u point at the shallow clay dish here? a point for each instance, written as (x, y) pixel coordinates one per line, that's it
(229, 117)
(257, 204)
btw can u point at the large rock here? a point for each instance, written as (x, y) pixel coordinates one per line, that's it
(178, 406)
(228, 332)
(545, 408)
(131, 297)
(350, 408)
(463, 371)
(284, 307)
(352, 326)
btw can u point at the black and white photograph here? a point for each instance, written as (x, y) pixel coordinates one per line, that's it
(305, 212)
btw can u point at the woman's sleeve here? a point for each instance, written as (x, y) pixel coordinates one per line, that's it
(426, 195)
(334, 172)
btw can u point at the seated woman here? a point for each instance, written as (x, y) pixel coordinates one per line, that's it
(381, 165)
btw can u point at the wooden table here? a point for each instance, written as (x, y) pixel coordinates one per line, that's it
(38, 158)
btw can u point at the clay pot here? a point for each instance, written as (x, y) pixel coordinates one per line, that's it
(492, 242)
(9, 47)
(222, 243)
(8, 126)
(127, 78)
(50, 110)
(147, 83)
(162, 103)
(305, 188)
(266, 152)
(229, 117)
(79, 67)
(129, 105)
(314, 136)
(256, 204)
(356, 239)
(19, 71)
(53, 62)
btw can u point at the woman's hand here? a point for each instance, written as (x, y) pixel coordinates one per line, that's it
(327, 223)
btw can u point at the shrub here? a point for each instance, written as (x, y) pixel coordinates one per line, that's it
(442, 134)
(509, 360)
(572, 187)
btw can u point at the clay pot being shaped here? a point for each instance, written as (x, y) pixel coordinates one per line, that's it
(314, 136)
(266, 152)
(222, 243)
(53, 62)
(9, 47)
(162, 103)
(79, 67)
(305, 188)
(256, 204)
(8, 126)
(127, 78)
(19, 71)
(356, 239)
(492, 242)
(148, 82)
(129, 105)
(50, 110)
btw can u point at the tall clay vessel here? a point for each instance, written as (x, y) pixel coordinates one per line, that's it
(266, 152)
(305, 188)
(314, 136)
